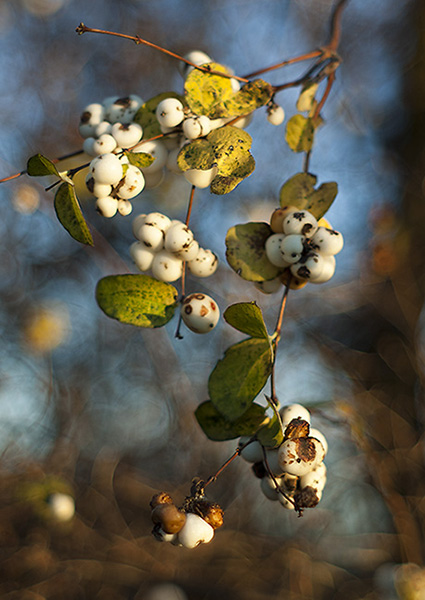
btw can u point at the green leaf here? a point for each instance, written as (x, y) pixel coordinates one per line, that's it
(300, 133)
(245, 252)
(240, 376)
(226, 148)
(146, 117)
(271, 435)
(137, 299)
(39, 166)
(139, 159)
(247, 318)
(296, 191)
(205, 92)
(251, 96)
(218, 428)
(299, 191)
(321, 200)
(70, 216)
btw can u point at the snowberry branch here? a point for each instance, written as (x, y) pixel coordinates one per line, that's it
(290, 61)
(138, 40)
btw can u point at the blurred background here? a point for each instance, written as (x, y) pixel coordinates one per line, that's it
(104, 411)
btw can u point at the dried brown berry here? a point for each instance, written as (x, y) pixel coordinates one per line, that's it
(169, 517)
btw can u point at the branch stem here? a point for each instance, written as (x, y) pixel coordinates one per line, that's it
(138, 40)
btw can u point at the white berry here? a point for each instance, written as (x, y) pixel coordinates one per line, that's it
(200, 313)
(299, 456)
(329, 265)
(166, 266)
(275, 114)
(190, 253)
(170, 112)
(178, 237)
(310, 267)
(132, 183)
(328, 241)
(269, 489)
(106, 168)
(197, 57)
(127, 135)
(253, 453)
(200, 178)
(142, 256)
(195, 127)
(273, 251)
(123, 109)
(291, 248)
(107, 206)
(90, 118)
(294, 411)
(104, 144)
(124, 207)
(137, 223)
(301, 222)
(205, 263)
(195, 531)
(315, 433)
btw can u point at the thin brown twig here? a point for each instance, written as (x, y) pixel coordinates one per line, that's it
(333, 44)
(138, 40)
(277, 332)
(290, 61)
(326, 93)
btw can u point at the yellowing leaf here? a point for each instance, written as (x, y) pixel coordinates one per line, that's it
(206, 92)
(227, 149)
(137, 299)
(300, 133)
(245, 252)
(299, 191)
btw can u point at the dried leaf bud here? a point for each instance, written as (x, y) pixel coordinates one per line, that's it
(211, 512)
(160, 498)
(297, 428)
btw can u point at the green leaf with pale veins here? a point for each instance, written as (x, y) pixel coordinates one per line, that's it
(299, 191)
(300, 133)
(146, 117)
(70, 216)
(206, 93)
(240, 376)
(251, 96)
(218, 428)
(245, 252)
(247, 318)
(226, 148)
(137, 299)
(139, 159)
(271, 435)
(39, 166)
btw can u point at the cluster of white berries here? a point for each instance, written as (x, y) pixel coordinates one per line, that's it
(189, 526)
(163, 245)
(297, 465)
(108, 129)
(303, 247)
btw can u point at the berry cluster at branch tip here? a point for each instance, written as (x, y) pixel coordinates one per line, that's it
(302, 247)
(192, 524)
(299, 473)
